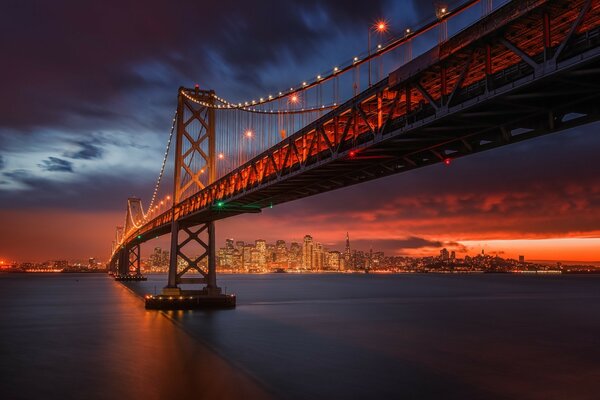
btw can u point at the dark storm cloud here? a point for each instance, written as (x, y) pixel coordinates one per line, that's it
(73, 57)
(20, 175)
(396, 246)
(1, 162)
(87, 151)
(412, 242)
(56, 164)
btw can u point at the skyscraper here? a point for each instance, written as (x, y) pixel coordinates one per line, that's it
(347, 253)
(281, 253)
(261, 248)
(444, 254)
(307, 252)
(318, 257)
(295, 255)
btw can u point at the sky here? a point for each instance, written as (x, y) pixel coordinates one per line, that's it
(89, 90)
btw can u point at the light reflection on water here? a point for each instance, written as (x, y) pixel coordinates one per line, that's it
(308, 336)
(87, 337)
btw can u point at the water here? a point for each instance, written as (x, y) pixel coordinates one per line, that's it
(322, 336)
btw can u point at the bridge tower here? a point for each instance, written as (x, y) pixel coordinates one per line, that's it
(129, 257)
(193, 240)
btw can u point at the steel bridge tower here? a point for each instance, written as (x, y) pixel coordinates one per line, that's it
(195, 169)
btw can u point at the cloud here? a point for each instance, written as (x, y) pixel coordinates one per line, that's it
(1, 162)
(55, 164)
(87, 151)
(394, 245)
(154, 49)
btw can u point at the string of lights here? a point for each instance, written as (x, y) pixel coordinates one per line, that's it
(162, 168)
(249, 108)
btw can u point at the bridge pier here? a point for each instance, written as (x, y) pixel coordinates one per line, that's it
(129, 264)
(181, 262)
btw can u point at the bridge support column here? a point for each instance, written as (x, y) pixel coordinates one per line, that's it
(202, 238)
(185, 241)
(129, 264)
(123, 262)
(211, 276)
(134, 259)
(172, 279)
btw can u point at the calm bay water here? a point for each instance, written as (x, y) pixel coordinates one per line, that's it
(307, 337)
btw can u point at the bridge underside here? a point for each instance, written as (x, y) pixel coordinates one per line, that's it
(498, 118)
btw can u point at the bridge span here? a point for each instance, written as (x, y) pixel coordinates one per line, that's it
(529, 68)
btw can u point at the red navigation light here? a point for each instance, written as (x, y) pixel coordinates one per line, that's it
(352, 153)
(447, 161)
(381, 26)
(197, 86)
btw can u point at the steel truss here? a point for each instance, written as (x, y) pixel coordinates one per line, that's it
(194, 169)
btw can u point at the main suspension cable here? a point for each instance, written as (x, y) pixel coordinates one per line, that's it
(164, 163)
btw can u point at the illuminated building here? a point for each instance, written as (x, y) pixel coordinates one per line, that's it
(295, 255)
(444, 254)
(281, 254)
(347, 253)
(307, 253)
(318, 257)
(247, 257)
(334, 260)
(261, 249)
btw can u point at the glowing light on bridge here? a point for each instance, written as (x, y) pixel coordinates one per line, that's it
(447, 161)
(221, 156)
(381, 26)
(248, 133)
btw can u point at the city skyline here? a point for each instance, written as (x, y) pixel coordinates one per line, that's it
(492, 247)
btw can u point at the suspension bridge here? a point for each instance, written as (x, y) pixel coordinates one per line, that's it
(525, 69)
